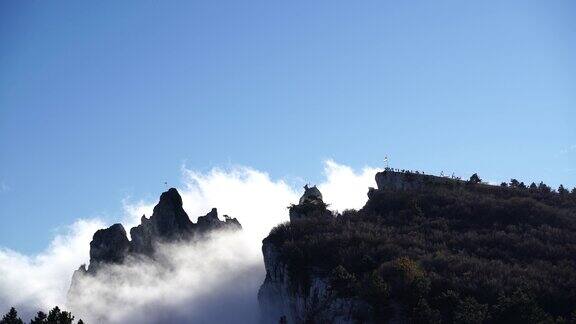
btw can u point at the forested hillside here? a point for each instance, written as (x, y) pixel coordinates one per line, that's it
(459, 253)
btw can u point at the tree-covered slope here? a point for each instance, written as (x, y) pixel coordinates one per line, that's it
(463, 252)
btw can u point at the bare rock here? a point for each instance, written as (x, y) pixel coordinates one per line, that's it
(108, 245)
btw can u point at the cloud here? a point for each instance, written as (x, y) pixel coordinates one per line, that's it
(568, 149)
(345, 188)
(4, 187)
(194, 281)
(40, 281)
(191, 282)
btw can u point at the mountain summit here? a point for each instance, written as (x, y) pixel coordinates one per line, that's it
(168, 223)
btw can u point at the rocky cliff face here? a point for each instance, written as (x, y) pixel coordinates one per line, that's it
(108, 246)
(395, 180)
(283, 298)
(168, 223)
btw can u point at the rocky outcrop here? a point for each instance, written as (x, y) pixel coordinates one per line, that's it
(395, 180)
(168, 223)
(310, 205)
(210, 222)
(108, 245)
(285, 298)
(311, 195)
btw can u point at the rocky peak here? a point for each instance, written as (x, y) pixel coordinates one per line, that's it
(108, 245)
(168, 223)
(170, 198)
(311, 195)
(310, 205)
(211, 221)
(168, 217)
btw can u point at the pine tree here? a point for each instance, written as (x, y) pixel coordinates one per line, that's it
(475, 178)
(56, 316)
(11, 317)
(53, 315)
(65, 318)
(521, 185)
(542, 187)
(41, 318)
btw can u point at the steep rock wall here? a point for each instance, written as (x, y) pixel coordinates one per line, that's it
(283, 300)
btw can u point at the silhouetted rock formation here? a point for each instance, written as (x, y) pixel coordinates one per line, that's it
(168, 223)
(109, 245)
(310, 205)
(395, 180)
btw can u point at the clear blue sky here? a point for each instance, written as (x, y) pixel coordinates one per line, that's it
(104, 99)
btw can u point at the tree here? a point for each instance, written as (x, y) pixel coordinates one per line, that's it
(39, 319)
(11, 317)
(520, 307)
(470, 311)
(80, 321)
(423, 313)
(521, 185)
(374, 289)
(56, 316)
(503, 185)
(514, 183)
(562, 191)
(533, 187)
(542, 187)
(475, 179)
(342, 281)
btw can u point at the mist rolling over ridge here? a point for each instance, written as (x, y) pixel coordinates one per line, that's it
(193, 280)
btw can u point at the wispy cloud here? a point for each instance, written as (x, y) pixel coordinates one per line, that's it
(568, 149)
(4, 187)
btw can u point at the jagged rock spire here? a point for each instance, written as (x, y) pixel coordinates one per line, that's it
(169, 222)
(108, 245)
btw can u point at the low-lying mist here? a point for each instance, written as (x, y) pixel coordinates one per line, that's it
(211, 281)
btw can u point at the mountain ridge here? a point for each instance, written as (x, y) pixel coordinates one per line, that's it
(168, 223)
(427, 249)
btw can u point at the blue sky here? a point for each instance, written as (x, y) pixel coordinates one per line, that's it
(105, 100)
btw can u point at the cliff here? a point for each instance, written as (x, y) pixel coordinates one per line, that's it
(425, 249)
(294, 295)
(285, 299)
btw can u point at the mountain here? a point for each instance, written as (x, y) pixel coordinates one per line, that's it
(169, 223)
(426, 249)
